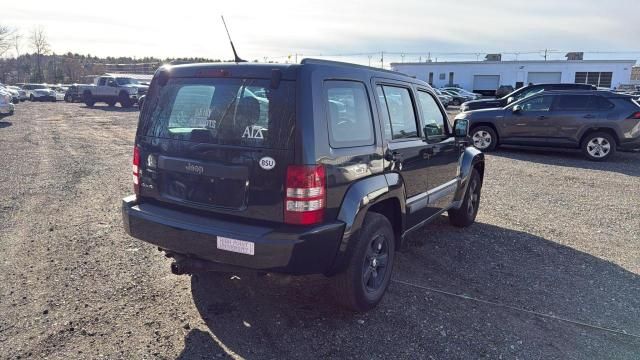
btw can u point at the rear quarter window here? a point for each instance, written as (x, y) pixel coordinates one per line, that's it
(348, 113)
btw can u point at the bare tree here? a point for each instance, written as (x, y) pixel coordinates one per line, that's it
(17, 42)
(5, 39)
(40, 47)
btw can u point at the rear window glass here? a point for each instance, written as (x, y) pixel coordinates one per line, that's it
(349, 113)
(223, 111)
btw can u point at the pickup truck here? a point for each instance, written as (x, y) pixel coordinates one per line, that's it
(112, 89)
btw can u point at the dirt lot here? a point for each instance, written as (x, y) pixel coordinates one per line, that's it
(551, 270)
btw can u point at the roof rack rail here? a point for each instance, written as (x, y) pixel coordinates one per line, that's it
(341, 63)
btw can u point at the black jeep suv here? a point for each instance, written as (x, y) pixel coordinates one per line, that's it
(520, 94)
(320, 167)
(598, 122)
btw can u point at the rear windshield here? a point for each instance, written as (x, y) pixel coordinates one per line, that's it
(243, 112)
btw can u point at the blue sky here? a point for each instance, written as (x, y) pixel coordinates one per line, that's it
(275, 29)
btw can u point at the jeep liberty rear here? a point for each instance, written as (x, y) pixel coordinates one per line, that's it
(289, 168)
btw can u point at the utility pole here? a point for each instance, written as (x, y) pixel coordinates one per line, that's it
(382, 59)
(370, 56)
(545, 54)
(402, 57)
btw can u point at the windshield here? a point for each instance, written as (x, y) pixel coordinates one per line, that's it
(245, 112)
(127, 81)
(39, 87)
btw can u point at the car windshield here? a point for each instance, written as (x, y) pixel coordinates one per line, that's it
(127, 81)
(39, 87)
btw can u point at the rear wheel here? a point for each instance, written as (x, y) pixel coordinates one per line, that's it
(598, 146)
(365, 281)
(67, 98)
(88, 99)
(466, 214)
(484, 138)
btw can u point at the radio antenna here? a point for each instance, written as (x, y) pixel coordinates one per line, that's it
(235, 54)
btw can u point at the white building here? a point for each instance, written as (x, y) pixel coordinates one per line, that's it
(487, 76)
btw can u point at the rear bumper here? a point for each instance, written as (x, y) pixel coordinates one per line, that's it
(630, 144)
(7, 109)
(293, 250)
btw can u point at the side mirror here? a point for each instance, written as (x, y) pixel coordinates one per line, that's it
(517, 109)
(432, 132)
(510, 99)
(461, 128)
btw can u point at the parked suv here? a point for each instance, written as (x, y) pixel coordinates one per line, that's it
(520, 94)
(316, 168)
(598, 122)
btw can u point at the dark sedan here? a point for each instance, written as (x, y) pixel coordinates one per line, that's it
(598, 122)
(521, 94)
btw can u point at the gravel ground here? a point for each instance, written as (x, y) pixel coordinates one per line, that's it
(550, 270)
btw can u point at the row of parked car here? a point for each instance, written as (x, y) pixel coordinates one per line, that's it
(557, 115)
(108, 88)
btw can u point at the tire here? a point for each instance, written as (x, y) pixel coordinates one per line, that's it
(31, 97)
(598, 146)
(363, 284)
(67, 98)
(88, 99)
(466, 214)
(124, 100)
(484, 138)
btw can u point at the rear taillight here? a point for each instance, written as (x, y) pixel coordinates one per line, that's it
(304, 201)
(136, 170)
(635, 115)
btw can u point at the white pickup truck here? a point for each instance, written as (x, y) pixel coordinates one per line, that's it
(112, 89)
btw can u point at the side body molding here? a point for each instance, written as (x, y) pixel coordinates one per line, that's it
(358, 199)
(468, 161)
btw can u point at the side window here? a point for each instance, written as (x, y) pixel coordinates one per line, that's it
(385, 113)
(600, 103)
(102, 82)
(349, 113)
(538, 103)
(401, 114)
(111, 82)
(572, 102)
(529, 92)
(431, 115)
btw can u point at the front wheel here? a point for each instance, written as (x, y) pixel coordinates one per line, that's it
(484, 138)
(368, 274)
(124, 101)
(598, 146)
(466, 214)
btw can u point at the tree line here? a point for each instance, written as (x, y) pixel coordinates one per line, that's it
(28, 58)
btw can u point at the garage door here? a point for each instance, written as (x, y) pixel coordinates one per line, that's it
(544, 77)
(486, 82)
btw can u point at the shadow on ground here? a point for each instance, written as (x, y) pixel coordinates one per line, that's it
(4, 124)
(296, 317)
(627, 162)
(112, 108)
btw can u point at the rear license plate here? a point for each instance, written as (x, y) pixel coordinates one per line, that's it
(233, 245)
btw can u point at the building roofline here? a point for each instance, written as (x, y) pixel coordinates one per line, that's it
(515, 62)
